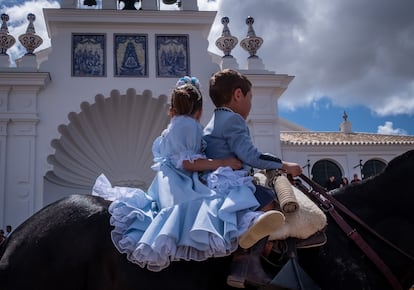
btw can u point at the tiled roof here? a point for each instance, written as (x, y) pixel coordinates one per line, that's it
(340, 138)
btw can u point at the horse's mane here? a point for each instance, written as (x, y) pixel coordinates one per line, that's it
(389, 190)
(405, 159)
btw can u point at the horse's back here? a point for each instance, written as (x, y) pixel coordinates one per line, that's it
(67, 245)
(67, 234)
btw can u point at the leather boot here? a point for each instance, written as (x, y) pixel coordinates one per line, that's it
(246, 267)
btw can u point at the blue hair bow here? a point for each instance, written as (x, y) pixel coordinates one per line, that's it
(188, 81)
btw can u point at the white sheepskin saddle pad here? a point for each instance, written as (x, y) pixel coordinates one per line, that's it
(304, 222)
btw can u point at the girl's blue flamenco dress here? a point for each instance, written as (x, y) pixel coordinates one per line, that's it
(180, 217)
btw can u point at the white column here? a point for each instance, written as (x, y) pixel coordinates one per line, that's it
(264, 115)
(3, 140)
(20, 173)
(4, 92)
(18, 122)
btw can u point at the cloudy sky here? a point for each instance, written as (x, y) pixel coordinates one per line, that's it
(351, 55)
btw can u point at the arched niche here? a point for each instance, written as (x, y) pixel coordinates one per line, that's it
(112, 136)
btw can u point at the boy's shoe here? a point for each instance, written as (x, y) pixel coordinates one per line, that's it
(264, 226)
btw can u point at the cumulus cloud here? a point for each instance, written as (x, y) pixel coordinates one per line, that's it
(388, 129)
(353, 52)
(395, 105)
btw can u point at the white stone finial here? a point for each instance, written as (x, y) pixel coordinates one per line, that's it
(30, 40)
(226, 42)
(6, 40)
(4, 19)
(252, 42)
(345, 126)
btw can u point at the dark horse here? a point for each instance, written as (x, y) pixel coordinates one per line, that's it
(67, 245)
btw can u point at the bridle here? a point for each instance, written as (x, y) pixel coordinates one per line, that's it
(329, 204)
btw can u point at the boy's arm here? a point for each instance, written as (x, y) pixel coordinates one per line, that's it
(289, 167)
(240, 142)
(238, 138)
(211, 164)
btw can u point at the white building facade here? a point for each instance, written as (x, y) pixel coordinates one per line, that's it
(94, 101)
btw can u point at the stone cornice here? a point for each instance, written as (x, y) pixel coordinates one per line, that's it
(11, 77)
(276, 84)
(269, 80)
(89, 17)
(342, 139)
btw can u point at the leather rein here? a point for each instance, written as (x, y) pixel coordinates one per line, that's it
(328, 203)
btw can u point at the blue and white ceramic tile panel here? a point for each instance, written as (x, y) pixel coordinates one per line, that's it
(130, 55)
(172, 55)
(88, 55)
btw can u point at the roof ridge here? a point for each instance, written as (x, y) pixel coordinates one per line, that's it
(332, 138)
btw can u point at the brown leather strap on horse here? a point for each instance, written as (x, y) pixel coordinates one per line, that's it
(346, 211)
(329, 203)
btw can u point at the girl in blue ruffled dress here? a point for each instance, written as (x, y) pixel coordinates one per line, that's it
(184, 215)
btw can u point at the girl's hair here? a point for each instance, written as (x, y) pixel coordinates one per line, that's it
(224, 83)
(186, 98)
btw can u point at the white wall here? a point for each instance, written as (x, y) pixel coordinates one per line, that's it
(53, 101)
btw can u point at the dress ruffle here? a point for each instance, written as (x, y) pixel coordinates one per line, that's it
(179, 217)
(163, 241)
(153, 239)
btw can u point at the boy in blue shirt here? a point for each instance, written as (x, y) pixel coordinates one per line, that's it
(227, 135)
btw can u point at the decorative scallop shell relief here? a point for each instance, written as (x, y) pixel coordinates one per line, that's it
(113, 136)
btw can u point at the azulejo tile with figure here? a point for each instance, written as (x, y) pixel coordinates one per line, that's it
(172, 55)
(130, 55)
(88, 55)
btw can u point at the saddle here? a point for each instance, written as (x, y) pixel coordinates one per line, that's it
(304, 228)
(307, 221)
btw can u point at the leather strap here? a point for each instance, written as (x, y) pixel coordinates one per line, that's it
(346, 211)
(329, 202)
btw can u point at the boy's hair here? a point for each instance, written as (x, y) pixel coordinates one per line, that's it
(186, 100)
(224, 83)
